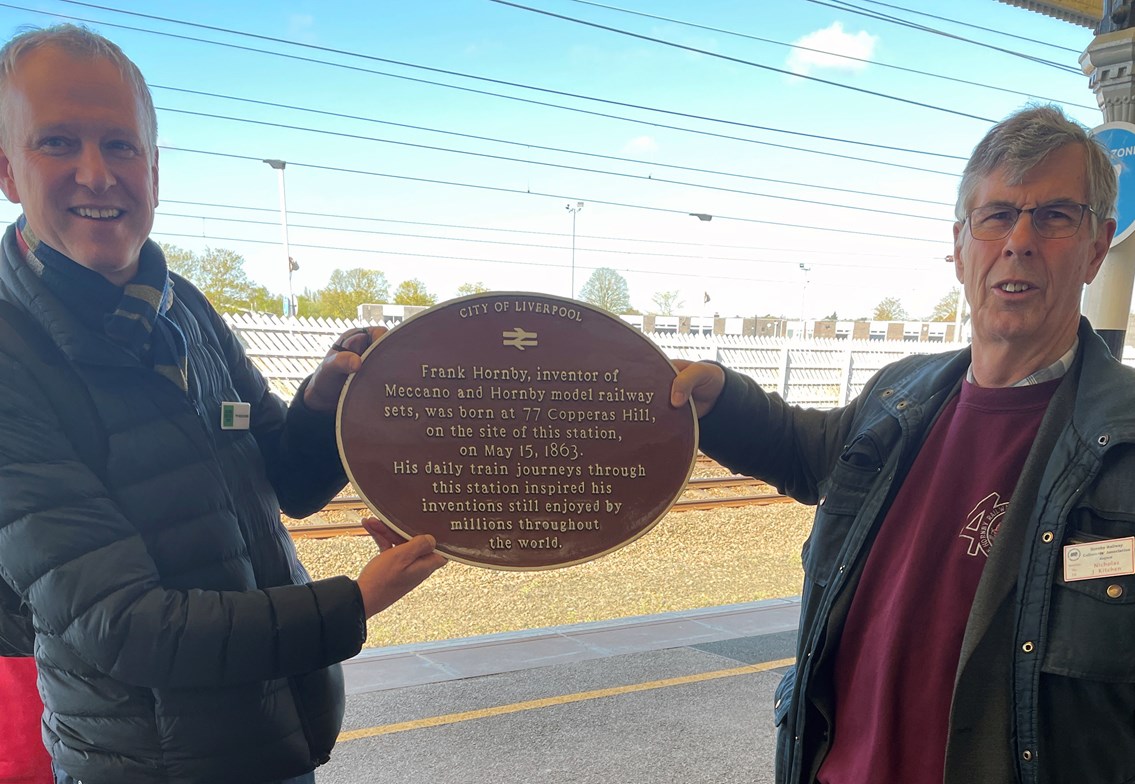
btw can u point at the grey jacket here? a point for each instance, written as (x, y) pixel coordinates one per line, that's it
(1045, 688)
(178, 638)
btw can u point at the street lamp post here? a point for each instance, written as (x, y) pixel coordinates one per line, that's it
(279, 165)
(806, 269)
(574, 211)
(704, 217)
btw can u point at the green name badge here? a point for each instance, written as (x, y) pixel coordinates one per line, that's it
(234, 416)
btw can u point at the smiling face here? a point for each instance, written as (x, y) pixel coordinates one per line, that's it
(1024, 290)
(75, 156)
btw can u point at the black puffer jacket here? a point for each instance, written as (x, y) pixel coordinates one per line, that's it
(177, 636)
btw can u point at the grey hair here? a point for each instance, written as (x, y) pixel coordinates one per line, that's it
(77, 41)
(1022, 141)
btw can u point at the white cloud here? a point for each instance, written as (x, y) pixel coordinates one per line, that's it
(830, 48)
(301, 25)
(641, 145)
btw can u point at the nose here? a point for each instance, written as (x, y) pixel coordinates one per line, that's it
(92, 171)
(1022, 239)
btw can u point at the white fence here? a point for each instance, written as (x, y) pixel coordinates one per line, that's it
(812, 373)
(816, 373)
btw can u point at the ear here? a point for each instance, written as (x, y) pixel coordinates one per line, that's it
(1101, 243)
(959, 268)
(8, 178)
(154, 175)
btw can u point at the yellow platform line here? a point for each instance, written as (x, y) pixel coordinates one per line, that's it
(563, 699)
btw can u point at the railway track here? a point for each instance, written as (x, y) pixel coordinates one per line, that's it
(695, 486)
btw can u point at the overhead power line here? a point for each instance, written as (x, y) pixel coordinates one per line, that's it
(434, 256)
(701, 256)
(972, 26)
(569, 197)
(873, 63)
(500, 230)
(842, 5)
(468, 76)
(530, 145)
(641, 177)
(739, 60)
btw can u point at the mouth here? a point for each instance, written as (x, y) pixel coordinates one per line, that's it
(1013, 287)
(97, 213)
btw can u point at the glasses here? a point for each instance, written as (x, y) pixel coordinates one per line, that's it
(1051, 221)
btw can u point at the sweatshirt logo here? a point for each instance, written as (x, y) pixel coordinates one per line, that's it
(983, 523)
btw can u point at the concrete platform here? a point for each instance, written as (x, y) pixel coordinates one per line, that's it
(415, 665)
(684, 696)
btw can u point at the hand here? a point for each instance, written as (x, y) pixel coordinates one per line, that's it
(701, 382)
(344, 358)
(400, 566)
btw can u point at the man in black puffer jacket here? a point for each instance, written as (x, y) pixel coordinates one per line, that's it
(177, 636)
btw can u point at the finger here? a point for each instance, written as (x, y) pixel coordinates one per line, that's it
(682, 388)
(354, 341)
(384, 536)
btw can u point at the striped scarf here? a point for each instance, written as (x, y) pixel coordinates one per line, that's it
(138, 322)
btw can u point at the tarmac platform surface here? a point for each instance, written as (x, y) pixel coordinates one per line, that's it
(684, 696)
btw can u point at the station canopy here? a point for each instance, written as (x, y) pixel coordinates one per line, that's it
(1082, 12)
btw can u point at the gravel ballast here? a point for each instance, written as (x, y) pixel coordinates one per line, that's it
(688, 560)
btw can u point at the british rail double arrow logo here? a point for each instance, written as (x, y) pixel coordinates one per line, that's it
(519, 339)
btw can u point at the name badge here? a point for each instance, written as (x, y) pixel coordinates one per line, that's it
(235, 416)
(1106, 558)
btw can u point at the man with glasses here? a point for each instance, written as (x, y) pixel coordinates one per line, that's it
(967, 613)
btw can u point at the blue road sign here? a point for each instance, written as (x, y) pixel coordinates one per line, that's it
(1119, 139)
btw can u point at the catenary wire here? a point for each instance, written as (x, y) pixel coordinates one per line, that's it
(499, 189)
(876, 63)
(548, 149)
(842, 5)
(741, 61)
(374, 232)
(641, 177)
(434, 256)
(645, 240)
(471, 76)
(972, 26)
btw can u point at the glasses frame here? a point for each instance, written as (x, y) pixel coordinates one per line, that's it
(1084, 210)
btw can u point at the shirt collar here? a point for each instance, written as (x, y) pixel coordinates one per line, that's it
(1054, 371)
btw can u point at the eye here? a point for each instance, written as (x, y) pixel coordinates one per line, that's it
(995, 215)
(121, 148)
(1058, 213)
(54, 144)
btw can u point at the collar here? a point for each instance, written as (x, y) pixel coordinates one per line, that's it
(1054, 371)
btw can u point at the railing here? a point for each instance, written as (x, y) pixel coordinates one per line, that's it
(814, 373)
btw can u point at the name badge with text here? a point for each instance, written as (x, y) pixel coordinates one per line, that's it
(235, 416)
(1106, 558)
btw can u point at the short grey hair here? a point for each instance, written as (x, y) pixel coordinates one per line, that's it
(1022, 141)
(77, 41)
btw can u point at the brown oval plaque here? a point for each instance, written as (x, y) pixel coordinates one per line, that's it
(523, 431)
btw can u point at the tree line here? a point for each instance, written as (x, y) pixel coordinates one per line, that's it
(221, 276)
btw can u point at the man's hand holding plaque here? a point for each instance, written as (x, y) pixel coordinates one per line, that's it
(521, 431)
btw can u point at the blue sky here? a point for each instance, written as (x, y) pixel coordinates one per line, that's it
(357, 199)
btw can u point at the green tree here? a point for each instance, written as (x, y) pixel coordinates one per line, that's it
(667, 302)
(413, 292)
(220, 275)
(344, 292)
(468, 289)
(606, 289)
(947, 307)
(890, 309)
